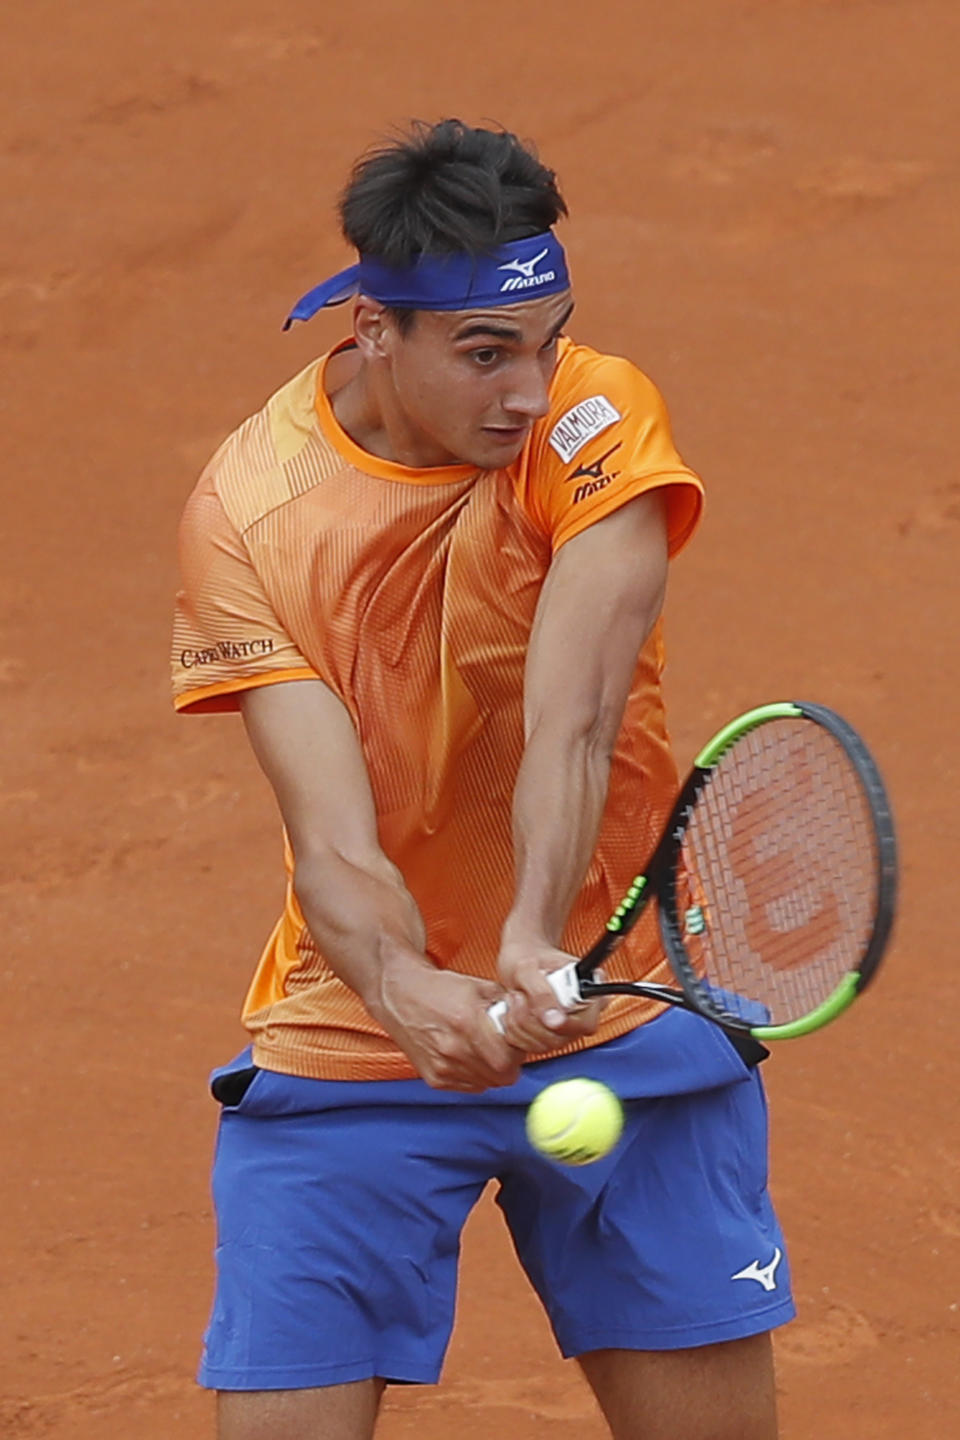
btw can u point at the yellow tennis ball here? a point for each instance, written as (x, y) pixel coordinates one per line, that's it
(575, 1121)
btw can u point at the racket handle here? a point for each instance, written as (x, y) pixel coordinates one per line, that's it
(564, 984)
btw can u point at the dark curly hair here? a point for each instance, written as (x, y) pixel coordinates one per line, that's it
(447, 188)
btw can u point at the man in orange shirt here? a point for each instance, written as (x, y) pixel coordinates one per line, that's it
(429, 573)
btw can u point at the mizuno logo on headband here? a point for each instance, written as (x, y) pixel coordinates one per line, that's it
(448, 282)
(525, 279)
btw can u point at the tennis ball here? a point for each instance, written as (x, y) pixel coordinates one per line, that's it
(575, 1121)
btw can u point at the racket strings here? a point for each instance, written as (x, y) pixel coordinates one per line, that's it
(780, 873)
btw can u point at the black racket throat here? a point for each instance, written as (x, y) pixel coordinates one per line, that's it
(751, 1052)
(592, 989)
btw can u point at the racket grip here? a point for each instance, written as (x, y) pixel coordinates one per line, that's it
(563, 982)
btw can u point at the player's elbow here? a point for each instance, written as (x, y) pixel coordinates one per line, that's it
(584, 730)
(600, 735)
(320, 865)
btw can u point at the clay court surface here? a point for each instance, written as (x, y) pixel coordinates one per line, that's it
(765, 196)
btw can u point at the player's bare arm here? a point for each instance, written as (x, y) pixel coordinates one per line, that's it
(601, 597)
(354, 900)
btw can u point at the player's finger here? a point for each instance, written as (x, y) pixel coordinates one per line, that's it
(525, 1028)
(479, 1059)
(478, 1076)
(517, 1023)
(501, 1058)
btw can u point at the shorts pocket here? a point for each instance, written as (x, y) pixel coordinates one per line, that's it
(232, 1087)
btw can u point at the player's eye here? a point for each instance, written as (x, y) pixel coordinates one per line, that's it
(485, 357)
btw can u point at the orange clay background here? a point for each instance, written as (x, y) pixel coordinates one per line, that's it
(765, 202)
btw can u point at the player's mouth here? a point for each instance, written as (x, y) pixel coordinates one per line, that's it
(507, 434)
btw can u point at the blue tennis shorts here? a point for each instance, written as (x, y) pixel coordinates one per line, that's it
(340, 1206)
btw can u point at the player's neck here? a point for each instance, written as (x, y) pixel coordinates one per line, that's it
(367, 408)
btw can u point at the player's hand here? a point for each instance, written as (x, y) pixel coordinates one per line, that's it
(439, 1019)
(535, 1020)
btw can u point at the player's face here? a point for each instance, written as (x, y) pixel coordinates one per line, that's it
(469, 384)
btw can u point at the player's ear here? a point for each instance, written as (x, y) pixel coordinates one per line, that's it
(370, 328)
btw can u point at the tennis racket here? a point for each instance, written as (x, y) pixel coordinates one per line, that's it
(775, 880)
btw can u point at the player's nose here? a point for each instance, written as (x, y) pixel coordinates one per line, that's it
(528, 398)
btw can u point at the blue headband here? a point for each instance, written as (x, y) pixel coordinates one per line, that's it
(520, 270)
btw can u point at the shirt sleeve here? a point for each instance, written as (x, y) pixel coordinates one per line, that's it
(607, 440)
(226, 636)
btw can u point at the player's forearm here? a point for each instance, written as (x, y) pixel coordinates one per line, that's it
(370, 931)
(559, 799)
(363, 919)
(598, 604)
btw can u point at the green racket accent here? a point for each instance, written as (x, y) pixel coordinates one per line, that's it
(627, 904)
(833, 1006)
(782, 709)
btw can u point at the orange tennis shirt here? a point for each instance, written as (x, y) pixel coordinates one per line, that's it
(411, 593)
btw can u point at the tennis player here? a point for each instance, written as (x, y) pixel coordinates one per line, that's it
(429, 574)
